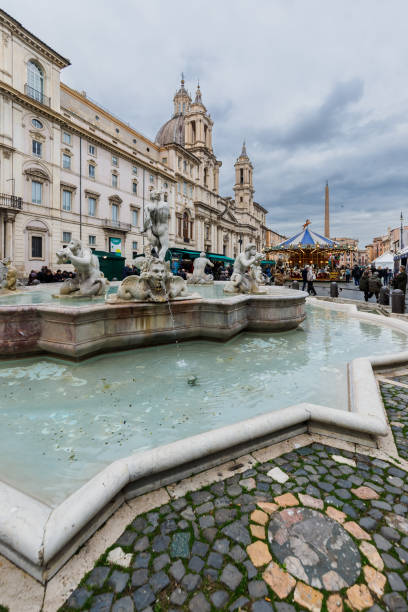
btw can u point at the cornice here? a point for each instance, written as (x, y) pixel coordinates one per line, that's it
(21, 32)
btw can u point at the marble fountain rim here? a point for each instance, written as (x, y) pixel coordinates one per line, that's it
(40, 538)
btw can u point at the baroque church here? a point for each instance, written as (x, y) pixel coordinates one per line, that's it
(208, 221)
(70, 168)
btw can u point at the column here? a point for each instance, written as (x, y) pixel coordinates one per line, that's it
(9, 238)
(1, 236)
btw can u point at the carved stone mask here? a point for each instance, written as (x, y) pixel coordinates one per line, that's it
(157, 275)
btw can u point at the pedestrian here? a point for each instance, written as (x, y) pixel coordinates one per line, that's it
(304, 277)
(311, 277)
(374, 285)
(364, 284)
(400, 280)
(348, 274)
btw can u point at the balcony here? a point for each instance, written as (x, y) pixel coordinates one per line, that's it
(10, 201)
(38, 96)
(117, 225)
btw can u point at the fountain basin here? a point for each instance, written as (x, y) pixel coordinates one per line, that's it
(40, 535)
(80, 331)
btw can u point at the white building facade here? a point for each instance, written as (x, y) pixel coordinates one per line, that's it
(71, 169)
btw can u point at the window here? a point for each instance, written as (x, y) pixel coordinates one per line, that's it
(135, 217)
(151, 178)
(37, 124)
(37, 146)
(92, 240)
(36, 247)
(91, 207)
(164, 161)
(241, 176)
(35, 81)
(185, 188)
(115, 161)
(91, 150)
(66, 200)
(91, 171)
(36, 192)
(114, 180)
(179, 163)
(165, 185)
(115, 212)
(66, 161)
(134, 141)
(191, 191)
(117, 130)
(134, 245)
(134, 169)
(184, 166)
(186, 227)
(66, 236)
(66, 138)
(134, 187)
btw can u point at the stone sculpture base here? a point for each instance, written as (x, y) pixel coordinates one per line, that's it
(85, 330)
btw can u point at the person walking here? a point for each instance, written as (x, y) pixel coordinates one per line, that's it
(364, 284)
(374, 285)
(347, 275)
(304, 277)
(311, 277)
(400, 280)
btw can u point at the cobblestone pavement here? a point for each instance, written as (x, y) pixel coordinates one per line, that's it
(315, 529)
(396, 403)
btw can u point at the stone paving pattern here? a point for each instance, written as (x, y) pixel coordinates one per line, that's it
(396, 404)
(210, 551)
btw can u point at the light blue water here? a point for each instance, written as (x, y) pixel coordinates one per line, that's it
(44, 294)
(62, 422)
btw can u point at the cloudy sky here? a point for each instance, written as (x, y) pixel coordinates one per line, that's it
(317, 88)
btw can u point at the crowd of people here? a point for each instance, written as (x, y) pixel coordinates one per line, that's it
(45, 275)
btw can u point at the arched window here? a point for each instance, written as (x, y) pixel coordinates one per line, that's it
(185, 227)
(35, 81)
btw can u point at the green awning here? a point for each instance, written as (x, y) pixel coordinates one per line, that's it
(175, 252)
(178, 252)
(219, 257)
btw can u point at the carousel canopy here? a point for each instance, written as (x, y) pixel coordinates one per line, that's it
(306, 238)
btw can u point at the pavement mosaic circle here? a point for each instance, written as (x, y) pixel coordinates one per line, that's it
(314, 548)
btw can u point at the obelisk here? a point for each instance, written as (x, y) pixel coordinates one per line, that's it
(327, 212)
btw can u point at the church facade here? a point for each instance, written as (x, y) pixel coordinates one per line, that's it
(71, 169)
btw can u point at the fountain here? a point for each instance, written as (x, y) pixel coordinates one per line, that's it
(78, 438)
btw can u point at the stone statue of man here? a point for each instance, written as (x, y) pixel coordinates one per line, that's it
(156, 223)
(243, 279)
(199, 276)
(89, 280)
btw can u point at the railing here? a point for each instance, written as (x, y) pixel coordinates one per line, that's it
(111, 224)
(36, 95)
(10, 201)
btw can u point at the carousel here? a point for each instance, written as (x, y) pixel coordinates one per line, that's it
(310, 248)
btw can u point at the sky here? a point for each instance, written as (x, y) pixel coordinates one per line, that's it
(317, 89)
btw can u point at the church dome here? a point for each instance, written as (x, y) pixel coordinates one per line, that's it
(172, 131)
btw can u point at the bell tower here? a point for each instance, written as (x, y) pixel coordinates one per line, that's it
(243, 188)
(198, 131)
(181, 99)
